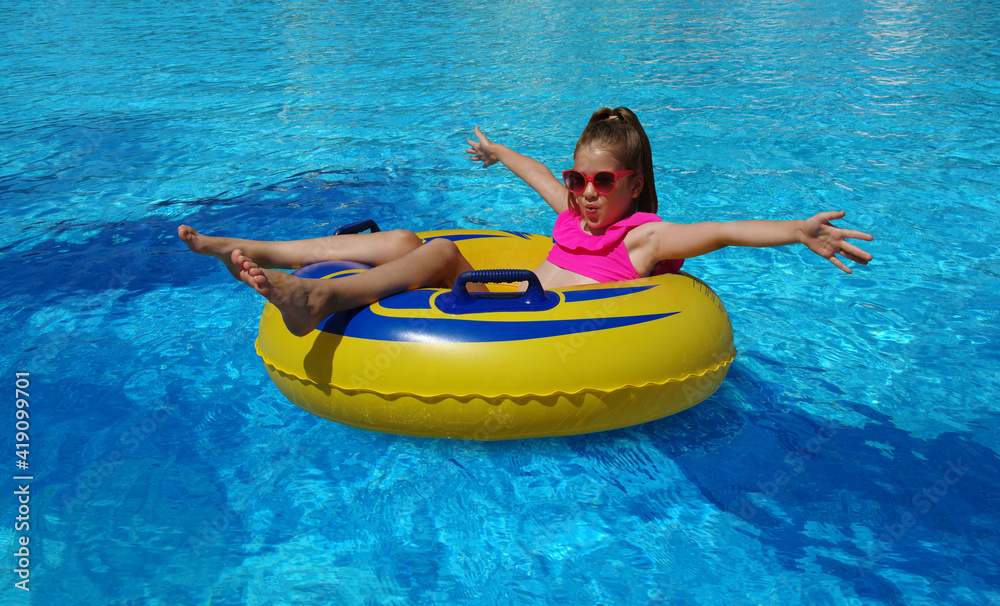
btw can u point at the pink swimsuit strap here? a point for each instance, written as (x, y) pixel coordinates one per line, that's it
(603, 258)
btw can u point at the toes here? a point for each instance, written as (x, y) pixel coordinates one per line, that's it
(255, 279)
(187, 234)
(241, 261)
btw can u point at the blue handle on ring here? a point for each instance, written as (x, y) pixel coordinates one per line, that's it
(357, 227)
(461, 301)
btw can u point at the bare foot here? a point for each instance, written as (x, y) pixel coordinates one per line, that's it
(293, 296)
(220, 248)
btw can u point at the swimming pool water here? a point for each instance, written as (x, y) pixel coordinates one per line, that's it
(850, 457)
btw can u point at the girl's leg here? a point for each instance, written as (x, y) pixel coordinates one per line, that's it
(372, 249)
(304, 303)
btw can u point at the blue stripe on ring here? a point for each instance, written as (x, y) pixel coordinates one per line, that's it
(421, 299)
(460, 237)
(365, 324)
(573, 296)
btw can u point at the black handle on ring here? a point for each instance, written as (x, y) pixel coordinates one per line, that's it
(460, 300)
(357, 227)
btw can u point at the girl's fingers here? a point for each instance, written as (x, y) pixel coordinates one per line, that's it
(855, 254)
(857, 235)
(831, 215)
(840, 264)
(855, 258)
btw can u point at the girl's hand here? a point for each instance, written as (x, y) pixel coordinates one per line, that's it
(532, 172)
(481, 150)
(828, 241)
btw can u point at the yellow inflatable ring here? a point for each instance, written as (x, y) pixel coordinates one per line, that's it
(443, 363)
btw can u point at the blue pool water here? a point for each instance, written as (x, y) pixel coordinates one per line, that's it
(850, 457)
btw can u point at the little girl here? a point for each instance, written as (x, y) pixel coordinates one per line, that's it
(606, 231)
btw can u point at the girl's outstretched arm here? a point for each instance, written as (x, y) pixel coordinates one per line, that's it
(533, 173)
(678, 241)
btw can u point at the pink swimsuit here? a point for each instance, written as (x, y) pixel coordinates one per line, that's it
(602, 258)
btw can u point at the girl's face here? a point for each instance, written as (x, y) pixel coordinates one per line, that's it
(602, 210)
